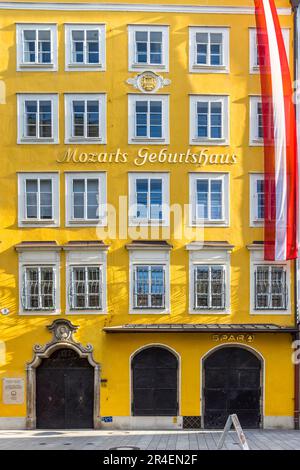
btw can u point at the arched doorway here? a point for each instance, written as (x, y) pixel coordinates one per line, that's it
(155, 382)
(232, 384)
(64, 391)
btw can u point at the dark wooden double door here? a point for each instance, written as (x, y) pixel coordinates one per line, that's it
(155, 383)
(64, 392)
(232, 384)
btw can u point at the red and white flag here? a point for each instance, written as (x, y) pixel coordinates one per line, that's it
(280, 141)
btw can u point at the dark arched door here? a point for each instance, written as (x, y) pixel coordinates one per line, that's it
(232, 384)
(155, 383)
(64, 392)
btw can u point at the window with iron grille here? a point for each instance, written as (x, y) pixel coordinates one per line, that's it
(149, 286)
(209, 287)
(85, 290)
(270, 287)
(38, 290)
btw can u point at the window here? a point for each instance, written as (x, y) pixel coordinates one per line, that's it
(254, 64)
(39, 278)
(270, 288)
(209, 50)
(209, 277)
(209, 119)
(86, 278)
(256, 121)
(148, 47)
(269, 284)
(209, 287)
(85, 118)
(37, 119)
(149, 287)
(148, 119)
(38, 290)
(148, 198)
(257, 199)
(36, 47)
(38, 199)
(209, 198)
(149, 279)
(86, 288)
(86, 198)
(85, 47)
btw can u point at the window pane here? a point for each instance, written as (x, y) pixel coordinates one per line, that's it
(45, 127)
(156, 199)
(141, 38)
(31, 199)
(141, 195)
(46, 199)
(142, 286)
(202, 199)
(30, 118)
(157, 286)
(216, 120)
(202, 119)
(93, 119)
(78, 198)
(216, 200)
(92, 198)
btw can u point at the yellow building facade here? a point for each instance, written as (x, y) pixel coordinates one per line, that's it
(131, 220)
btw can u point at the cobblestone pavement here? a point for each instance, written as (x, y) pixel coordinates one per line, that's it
(145, 440)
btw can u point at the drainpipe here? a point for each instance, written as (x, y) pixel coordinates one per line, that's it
(296, 18)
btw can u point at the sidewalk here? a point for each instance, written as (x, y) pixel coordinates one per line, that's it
(145, 440)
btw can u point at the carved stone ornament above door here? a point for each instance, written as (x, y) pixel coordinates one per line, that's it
(148, 82)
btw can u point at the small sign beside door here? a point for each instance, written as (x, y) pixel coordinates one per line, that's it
(13, 391)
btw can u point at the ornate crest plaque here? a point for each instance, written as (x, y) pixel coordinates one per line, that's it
(148, 82)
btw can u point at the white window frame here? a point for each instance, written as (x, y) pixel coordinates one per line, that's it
(69, 98)
(132, 65)
(82, 257)
(71, 66)
(254, 140)
(21, 99)
(194, 139)
(254, 220)
(132, 138)
(23, 221)
(254, 68)
(149, 257)
(36, 67)
(193, 178)
(135, 221)
(31, 259)
(102, 220)
(207, 68)
(202, 257)
(257, 259)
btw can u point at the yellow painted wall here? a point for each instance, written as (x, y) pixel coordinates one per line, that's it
(20, 333)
